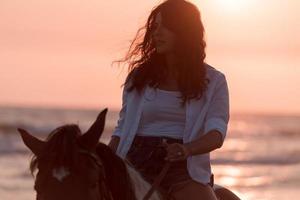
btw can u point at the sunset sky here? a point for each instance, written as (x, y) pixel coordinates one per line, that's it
(58, 53)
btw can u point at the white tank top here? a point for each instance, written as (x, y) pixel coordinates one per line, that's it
(162, 115)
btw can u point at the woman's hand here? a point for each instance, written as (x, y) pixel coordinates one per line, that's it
(176, 152)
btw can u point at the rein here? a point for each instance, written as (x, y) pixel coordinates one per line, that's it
(102, 183)
(157, 180)
(154, 186)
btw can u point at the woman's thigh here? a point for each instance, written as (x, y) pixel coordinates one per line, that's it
(194, 191)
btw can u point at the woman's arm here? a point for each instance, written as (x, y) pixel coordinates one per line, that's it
(122, 113)
(215, 126)
(115, 138)
(116, 135)
(114, 143)
(205, 144)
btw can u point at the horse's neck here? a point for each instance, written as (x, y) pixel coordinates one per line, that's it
(141, 187)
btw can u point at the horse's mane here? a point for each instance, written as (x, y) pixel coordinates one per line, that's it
(118, 180)
(62, 145)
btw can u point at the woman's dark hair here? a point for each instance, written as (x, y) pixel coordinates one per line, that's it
(146, 66)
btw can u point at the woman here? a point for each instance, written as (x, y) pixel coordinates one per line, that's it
(172, 98)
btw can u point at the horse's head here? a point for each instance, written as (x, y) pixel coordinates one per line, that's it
(67, 164)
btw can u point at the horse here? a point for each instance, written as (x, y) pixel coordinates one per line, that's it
(72, 165)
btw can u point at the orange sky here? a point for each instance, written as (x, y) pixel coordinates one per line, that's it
(58, 53)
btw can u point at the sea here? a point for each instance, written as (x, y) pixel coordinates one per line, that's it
(260, 158)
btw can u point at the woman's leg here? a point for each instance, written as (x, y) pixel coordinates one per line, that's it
(194, 191)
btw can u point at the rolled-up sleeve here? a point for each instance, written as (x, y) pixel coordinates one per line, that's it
(120, 122)
(217, 117)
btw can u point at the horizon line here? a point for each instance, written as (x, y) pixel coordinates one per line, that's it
(115, 109)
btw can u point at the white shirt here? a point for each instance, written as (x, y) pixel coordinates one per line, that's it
(162, 115)
(211, 112)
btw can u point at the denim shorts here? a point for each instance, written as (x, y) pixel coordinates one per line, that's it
(145, 156)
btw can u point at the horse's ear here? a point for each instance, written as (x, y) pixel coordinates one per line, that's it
(90, 139)
(35, 145)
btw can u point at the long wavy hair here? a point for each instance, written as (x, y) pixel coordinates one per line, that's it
(146, 66)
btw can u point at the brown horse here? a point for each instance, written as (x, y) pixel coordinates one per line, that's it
(71, 165)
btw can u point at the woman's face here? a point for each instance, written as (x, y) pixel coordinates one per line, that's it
(163, 38)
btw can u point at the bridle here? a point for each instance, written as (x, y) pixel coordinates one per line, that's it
(105, 191)
(102, 180)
